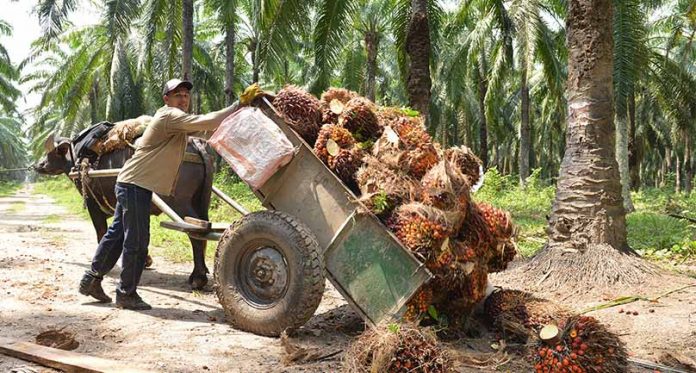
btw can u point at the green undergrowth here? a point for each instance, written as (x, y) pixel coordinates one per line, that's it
(8, 188)
(64, 192)
(660, 227)
(528, 205)
(651, 230)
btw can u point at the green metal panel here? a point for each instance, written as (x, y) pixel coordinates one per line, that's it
(372, 269)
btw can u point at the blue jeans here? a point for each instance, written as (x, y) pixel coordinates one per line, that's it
(129, 234)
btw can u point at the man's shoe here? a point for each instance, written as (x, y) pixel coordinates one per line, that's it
(91, 286)
(131, 302)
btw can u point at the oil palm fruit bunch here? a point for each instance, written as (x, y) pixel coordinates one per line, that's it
(461, 295)
(466, 161)
(341, 94)
(418, 304)
(345, 164)
(300, 110)
(500, 225)
(420, 228)
(476, 234)
(330, 141)
(421, 153)
(333, 102)
(520, 315)
(582, 344)
(358, 118)
(445, 187)
(397, 348)
(388, 115)
(382, 188)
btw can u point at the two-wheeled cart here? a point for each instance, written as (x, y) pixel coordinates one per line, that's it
(271, 265)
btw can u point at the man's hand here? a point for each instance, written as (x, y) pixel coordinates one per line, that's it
(250, 93)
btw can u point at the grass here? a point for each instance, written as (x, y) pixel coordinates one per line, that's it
(52, 219)
(650, 230)
(64, 192)
(8, 188)
(528, 206)
(16, 207)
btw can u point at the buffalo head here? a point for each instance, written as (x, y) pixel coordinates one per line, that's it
(58, 159)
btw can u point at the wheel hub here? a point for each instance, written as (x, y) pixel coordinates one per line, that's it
(267, 275)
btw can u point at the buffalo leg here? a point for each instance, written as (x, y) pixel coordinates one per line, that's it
(198, 278)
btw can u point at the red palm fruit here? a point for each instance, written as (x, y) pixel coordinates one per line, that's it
(300, 110)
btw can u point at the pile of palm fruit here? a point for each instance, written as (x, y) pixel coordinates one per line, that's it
(580, 344)
(559, 341)
(420, 191)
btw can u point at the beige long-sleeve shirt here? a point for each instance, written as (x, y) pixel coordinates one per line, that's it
(155, 164)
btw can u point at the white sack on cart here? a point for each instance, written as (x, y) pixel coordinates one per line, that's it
(253, 145)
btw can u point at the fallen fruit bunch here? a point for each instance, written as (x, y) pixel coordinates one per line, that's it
(582, 344)
(397, 348)
(519, 316)
(420, 191)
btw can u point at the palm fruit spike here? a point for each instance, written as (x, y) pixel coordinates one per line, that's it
(420, 228)
(341, 94)
(301, 111)
(519, 314)
(418, 304)
(476, 234)
(422, 154)
(502, 249)
(382, 188)
(580, 344)
(445, 187)
(345, 164)
(340, 136)
(358, 118)
(466, 161)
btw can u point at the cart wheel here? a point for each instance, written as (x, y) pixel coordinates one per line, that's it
(268, 275)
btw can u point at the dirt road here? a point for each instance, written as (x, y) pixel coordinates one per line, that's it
(44, 252)
(42, 260)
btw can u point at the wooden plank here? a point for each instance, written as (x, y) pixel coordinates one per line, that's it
(198, 222)
(67, 361)
(183, 227)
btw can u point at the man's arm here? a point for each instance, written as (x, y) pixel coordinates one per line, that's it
(179, 121)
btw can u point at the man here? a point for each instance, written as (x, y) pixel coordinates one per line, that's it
(153, 168)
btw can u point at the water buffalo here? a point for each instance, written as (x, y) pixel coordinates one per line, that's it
(191, 196)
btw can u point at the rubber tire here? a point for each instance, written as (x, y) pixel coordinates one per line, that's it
(305, 286)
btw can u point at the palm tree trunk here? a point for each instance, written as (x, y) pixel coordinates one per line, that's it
(418, 49)
(622, 160)
(525, 139)
(187, 48)
(229, 64)
(688, 174)
(372, 45)
(677, 178)
(253, 45)
(633, 146)
(587, 227)
(483, 129)
(94, 102)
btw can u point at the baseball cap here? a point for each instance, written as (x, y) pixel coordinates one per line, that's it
(173, 84)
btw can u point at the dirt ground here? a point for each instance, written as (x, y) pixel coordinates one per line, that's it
(41, 262)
